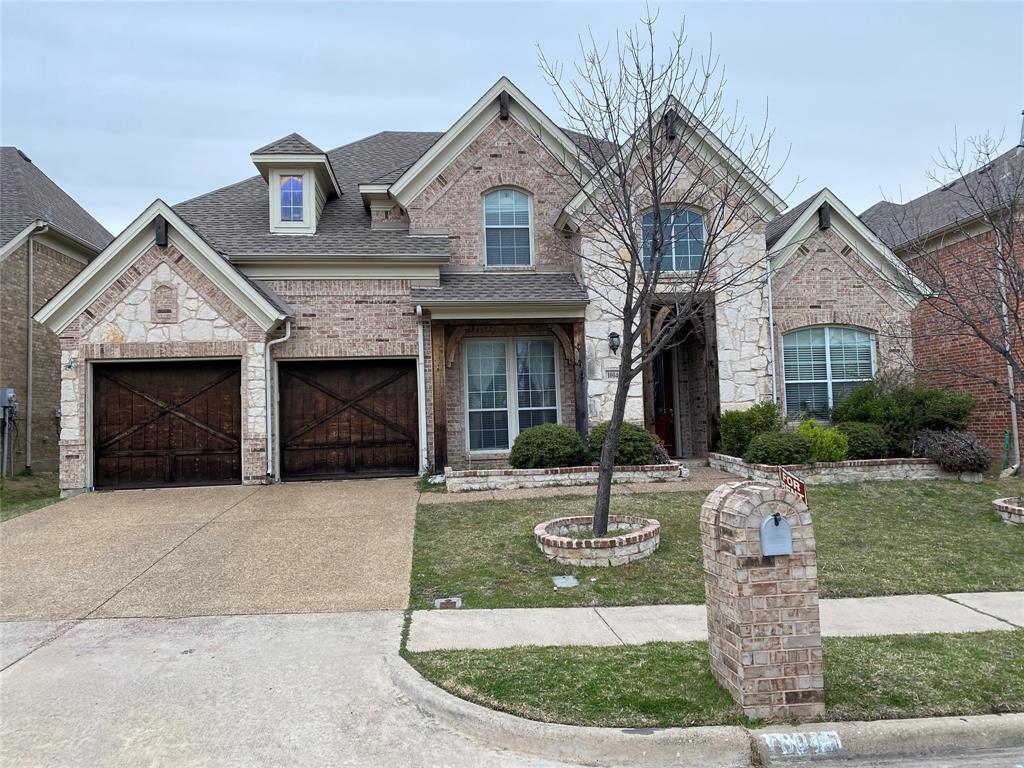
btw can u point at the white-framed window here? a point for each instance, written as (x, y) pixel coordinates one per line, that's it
(511, 385)
(292, 196)
(682, 236)
(508, 229)
(822, 365)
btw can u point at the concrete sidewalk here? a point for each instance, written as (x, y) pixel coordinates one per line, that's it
(633, 625)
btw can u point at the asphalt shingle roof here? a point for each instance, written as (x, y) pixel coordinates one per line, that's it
(950, 205)
(292, 144)
(777, 227)
(27, 194)
(503, 288)
(235, 220)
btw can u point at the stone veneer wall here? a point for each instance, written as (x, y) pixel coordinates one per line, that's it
(838, 472)
(119, 326)
(51, 271)
(458, 481)
(826, 283)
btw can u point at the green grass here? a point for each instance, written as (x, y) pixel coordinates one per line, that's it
(24, 493)
(670, 684)
(884, 538)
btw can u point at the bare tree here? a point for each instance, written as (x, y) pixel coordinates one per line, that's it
(655, 128)
(966, 244)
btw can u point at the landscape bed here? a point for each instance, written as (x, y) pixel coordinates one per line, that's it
(837, 472)
(873, 539)
(662, 685)
(506, 479)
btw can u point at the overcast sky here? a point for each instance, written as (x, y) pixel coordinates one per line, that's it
(124, 103)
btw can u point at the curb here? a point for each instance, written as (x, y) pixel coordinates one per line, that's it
(703, 747)
(920, 737)
(710, 746)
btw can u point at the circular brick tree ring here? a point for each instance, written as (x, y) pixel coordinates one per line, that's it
(1011, 509)
(629, 539)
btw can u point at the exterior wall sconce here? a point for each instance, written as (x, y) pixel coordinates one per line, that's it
(614, 340)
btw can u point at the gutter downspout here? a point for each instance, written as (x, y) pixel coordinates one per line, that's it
(771, 331)
(421, 390)
(41, 228)
(268, 387)
(1011, 384)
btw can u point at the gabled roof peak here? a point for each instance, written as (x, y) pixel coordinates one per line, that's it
(292, 144)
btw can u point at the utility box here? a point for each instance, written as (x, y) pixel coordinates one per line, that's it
(8, 399)
(761, 578)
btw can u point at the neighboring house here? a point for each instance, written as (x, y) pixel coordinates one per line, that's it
(403, 303)
(942, 230)
(46, 238)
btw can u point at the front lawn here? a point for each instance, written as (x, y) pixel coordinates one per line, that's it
(886, 538)
(23, 493)
(670, 684)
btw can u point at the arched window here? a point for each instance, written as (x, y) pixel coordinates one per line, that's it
(823, 365)
(507, 228)
(291, 198)
(682, 235)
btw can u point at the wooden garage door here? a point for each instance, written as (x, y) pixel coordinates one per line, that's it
(347, 418)
(158, 424)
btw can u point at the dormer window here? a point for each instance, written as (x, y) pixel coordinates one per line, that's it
(291, 198)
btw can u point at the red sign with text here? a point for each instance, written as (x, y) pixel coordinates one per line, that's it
(793, 483)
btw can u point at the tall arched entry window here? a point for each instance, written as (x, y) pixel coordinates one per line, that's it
(824, 364)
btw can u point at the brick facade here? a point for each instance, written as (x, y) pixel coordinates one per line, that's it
(826, 283)
(52, 269)
(946, 350)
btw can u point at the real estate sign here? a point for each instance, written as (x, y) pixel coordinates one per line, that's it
(793, 484)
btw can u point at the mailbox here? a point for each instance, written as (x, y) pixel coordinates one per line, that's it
(776, 536)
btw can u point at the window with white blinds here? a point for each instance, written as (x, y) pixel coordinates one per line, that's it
(823, 365)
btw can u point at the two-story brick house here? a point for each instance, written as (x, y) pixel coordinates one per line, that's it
(403, 303)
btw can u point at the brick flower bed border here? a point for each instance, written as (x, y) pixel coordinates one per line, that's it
(640, 537)
(1011, 509)
(837, 472)
(503, 479)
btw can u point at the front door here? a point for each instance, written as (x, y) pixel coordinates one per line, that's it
(663, 374)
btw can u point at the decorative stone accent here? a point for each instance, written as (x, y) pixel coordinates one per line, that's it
(838, 472)
(639, 537)
(505, 479)
(1011, 509)
(764, 634)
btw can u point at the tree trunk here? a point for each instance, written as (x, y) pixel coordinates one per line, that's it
(604, 479)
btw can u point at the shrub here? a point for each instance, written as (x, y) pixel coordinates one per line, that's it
(737, 428)
(954, 450)
(865, 440)
(545, 446)
(903, 409)
(827, 443)
(779, 448)
(636, 444)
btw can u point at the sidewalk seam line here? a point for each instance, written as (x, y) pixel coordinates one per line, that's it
(166, 554)
(597, 610)
(983, 613)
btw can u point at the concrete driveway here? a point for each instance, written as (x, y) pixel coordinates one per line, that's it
(288, 548)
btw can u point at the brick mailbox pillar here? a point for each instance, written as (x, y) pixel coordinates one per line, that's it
(764, 634)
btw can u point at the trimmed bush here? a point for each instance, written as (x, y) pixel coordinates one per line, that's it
(546, 446)
(827, 443)
(903, 409)
(636, 444)
(955, 451)
(737, 428)
(865, 440)
(779, 448)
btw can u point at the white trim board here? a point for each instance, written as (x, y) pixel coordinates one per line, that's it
(89, 284)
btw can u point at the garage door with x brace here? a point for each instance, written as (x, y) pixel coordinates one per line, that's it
(174, 423)
(347, 418)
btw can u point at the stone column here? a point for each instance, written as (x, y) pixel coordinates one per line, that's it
(764, 635)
